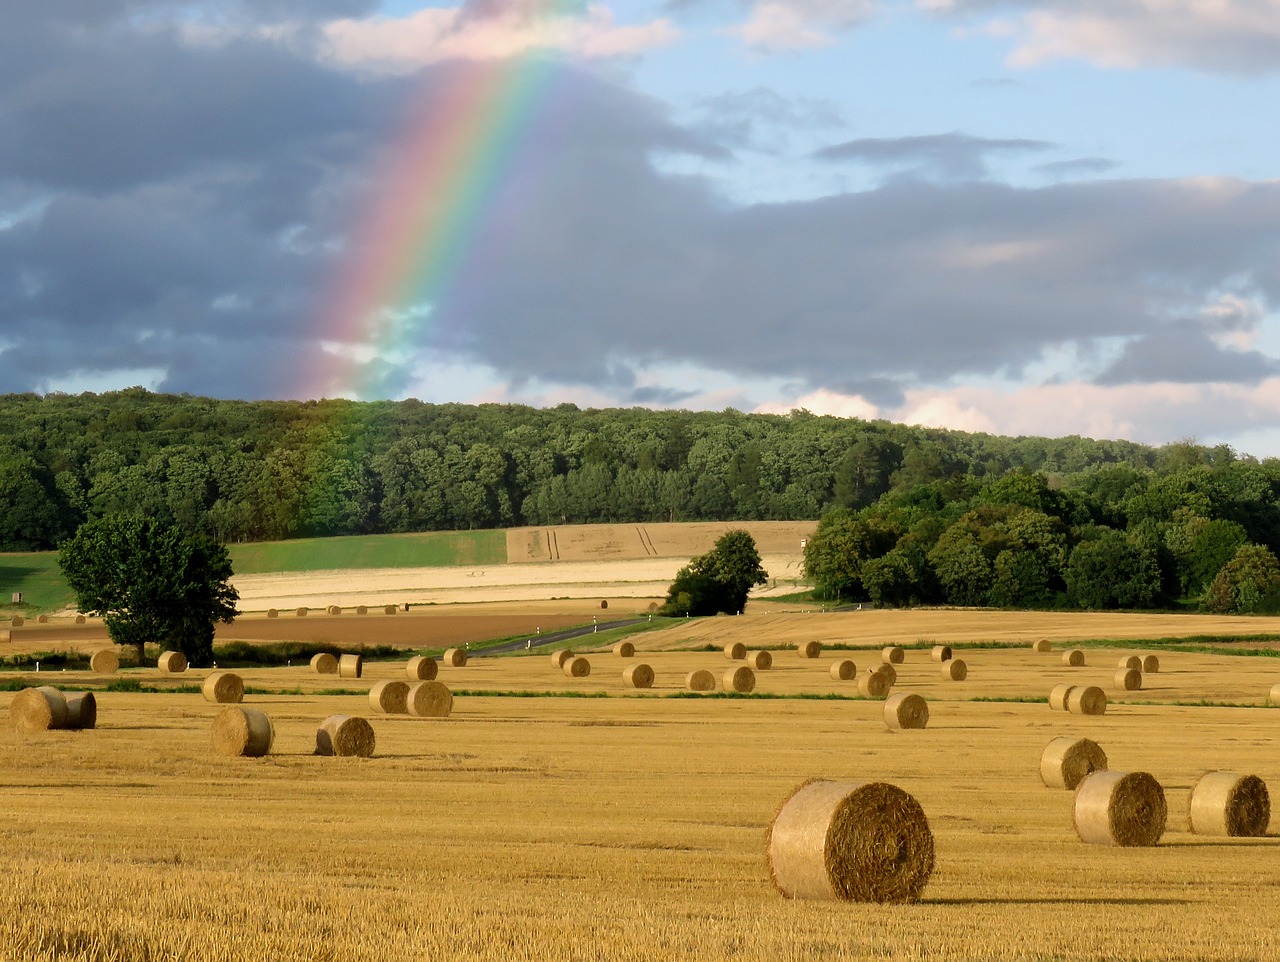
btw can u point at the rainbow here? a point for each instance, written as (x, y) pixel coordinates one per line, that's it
(444, 188)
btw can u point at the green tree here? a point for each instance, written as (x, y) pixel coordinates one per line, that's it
(1111, 571)
(719, 580)
(1248, 583)
(151, 582)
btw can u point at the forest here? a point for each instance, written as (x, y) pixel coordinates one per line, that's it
(919, 514)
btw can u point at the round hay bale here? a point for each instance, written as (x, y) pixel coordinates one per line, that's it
(1067, 760)
(19, 621)
(6, 634)
(301, 612)
(104, 661)
(906, 710)
(759, 660)
(323, 663)
(577, 667)
(1043, 645)
(223, 688)
(455, 657)
(1273, 697)
(558, 658)
(843, 670)
(1127, 679)
(345, 735)
(638, 676)
(362, 609)
(1120, 808)
(350, 666)
(890, 673)
(603, 604)
(1073, 658)
(856, 841)
(1130, 661)
(1058, 697)
(421, 668)
(80, 619)
(700, 680)
(941, 653)
(874, 684)
(741, 679)
(430, 699)
(955, 669)
(42, 619)
(1150, 664)
(1087, 700)
(810, 649)
(334, 609)
(1225, 803)
(242, 732)
(389, 610)
(38, 709)
(892, 655)
(735, 651)
(273, 613)
(82, 711)
(172, 663)
(389, 697)
(624, 649)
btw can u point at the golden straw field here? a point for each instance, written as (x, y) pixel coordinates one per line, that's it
(629, 826)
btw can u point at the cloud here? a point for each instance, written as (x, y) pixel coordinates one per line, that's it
(953, 156)
(1220, 36)
(762, 119)
(775, 26)
(1185, 354)
(1081, 166)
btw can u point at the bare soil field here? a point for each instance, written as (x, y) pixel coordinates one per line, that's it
(621, 828)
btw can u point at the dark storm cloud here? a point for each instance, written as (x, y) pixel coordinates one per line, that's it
(1184, 353)
(953, 156)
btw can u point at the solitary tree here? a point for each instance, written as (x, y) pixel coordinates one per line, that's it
(151, 582)
(718, 580)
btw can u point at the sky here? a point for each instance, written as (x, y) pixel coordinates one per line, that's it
(1043, 217)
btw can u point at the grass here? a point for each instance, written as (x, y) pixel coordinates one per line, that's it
(425, 550)
(38, 577)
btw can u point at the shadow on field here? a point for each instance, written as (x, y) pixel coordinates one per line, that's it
(1051, 901)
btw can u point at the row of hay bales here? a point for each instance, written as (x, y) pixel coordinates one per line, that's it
(1129, 808)
(333, 610)
(46, 708)
(239, 732)
(423, 699)
(18, 620)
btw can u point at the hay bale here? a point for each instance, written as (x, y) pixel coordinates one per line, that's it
(558, 658)
(955, 670)
(82, 711)
(1066, 761)
(324, 663)
(1043, 645)
(890, 673)
(223, 688)
(1058, 697)
(389, 697)
(906, 710)
(1087, 700)
(38, 709)
(603, 604)
(42, 619)
(104, 661)
(857, 841)
(1225, 803)
(1120, 808)
(430, 699)
(1150, 664)
(700, 680)
(421, 668)
(272, 613)
(334, 609)
(735, 651)
(874, 684)
(1127, 679)
(350, 666)
(19, 621)
(80, 619)
(577, 667)
(759, 660)
(345, 735)
(892, 655)
(941, 653)
(843, 670)
(810, 649)
(301, 612)
(1273, 697)
(741, 679)
(1130, 661)
(1073, 658)
(172, 663)
(389, 610)
(638, 676)
(455, 657)
(242, 732)
(362, 609)
(624, 649)
(6, 635)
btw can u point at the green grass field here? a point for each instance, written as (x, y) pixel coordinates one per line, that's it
(37, 576)
(427, 550)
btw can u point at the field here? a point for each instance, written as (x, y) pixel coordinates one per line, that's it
(554, 818)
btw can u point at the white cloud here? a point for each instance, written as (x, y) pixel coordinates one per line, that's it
(781, 25)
